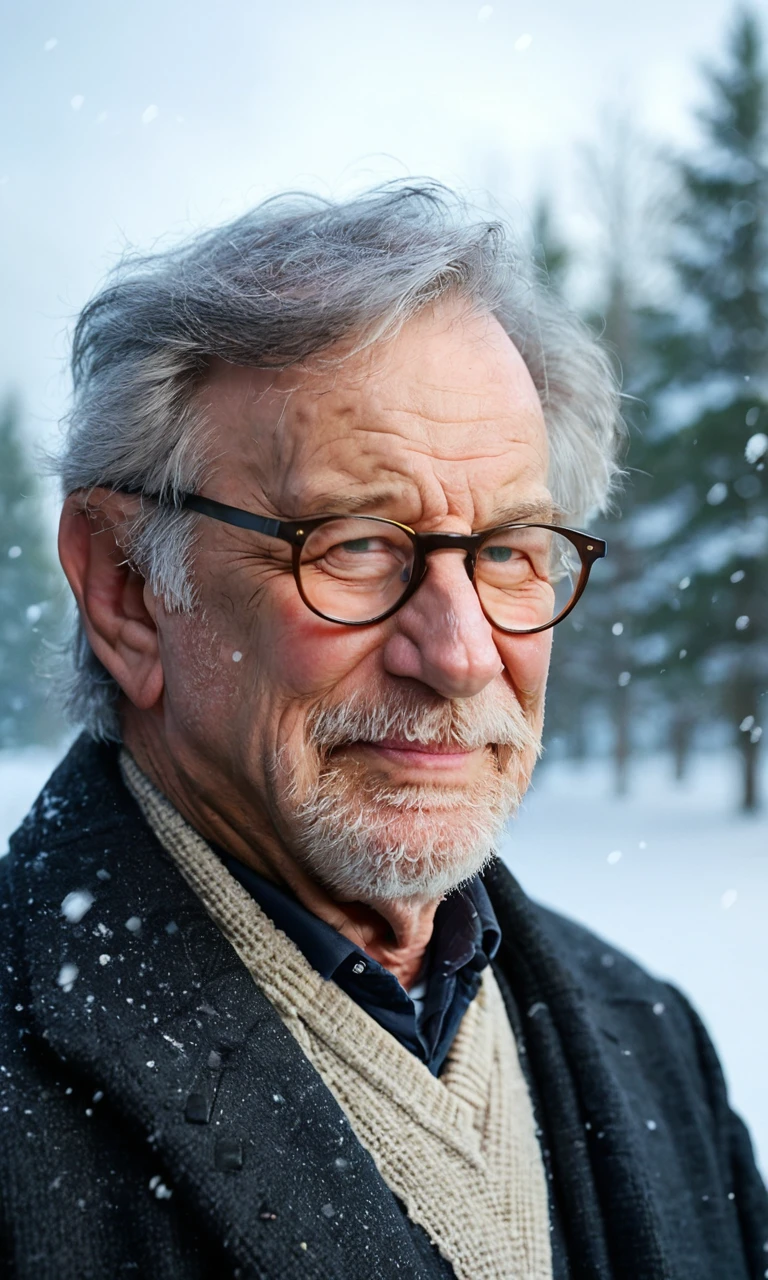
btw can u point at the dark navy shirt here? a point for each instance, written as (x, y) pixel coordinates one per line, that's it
(466, 937)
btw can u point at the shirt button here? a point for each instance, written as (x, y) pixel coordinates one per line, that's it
(359, 966)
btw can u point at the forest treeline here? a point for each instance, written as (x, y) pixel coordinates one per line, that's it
(669, 647)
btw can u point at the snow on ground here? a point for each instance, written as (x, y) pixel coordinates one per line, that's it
(688, 895)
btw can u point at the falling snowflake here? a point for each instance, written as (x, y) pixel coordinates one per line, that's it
(756, 446)
(76, 904)
(67, 975)
(157, 1185)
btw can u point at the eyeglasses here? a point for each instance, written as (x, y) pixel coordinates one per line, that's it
(358, 570)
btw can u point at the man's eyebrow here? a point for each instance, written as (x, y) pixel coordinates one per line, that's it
(542, 510)
(374, 502)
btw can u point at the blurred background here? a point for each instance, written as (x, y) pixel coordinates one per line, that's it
(630, 151)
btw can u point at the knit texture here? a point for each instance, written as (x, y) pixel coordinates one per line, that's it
(460, 1151)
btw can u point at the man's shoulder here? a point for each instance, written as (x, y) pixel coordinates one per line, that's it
(78, 804)
(602, 969)
(599, 967)
(617, 992)
(83, 833)
(83, 794)
(86, 889)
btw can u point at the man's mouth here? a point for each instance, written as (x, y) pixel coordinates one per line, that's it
(442, 756)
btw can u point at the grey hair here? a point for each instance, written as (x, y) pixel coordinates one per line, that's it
(287, 281)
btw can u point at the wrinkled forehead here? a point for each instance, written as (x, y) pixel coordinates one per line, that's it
(447, 405)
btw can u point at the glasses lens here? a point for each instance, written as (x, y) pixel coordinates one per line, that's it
(353, 570)
(526, 577)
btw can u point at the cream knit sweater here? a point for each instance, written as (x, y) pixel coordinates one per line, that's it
(460, 1151)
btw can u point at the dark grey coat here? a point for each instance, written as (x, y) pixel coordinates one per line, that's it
(157, 1119)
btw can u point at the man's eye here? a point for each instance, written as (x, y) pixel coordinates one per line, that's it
(357, 544)
(498, 554)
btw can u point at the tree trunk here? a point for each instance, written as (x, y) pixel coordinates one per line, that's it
(621, 741)
(745, 702)
(681, 735)
(750, 792)
(578, 739)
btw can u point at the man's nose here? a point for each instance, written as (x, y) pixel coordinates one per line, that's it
(441, 636)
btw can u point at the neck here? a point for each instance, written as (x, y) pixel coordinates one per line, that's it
(394, 932)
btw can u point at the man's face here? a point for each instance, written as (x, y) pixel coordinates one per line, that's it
(385, 758)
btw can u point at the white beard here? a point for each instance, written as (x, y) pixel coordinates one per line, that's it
(367, 840)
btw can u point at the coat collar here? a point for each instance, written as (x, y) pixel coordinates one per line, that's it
(145, 997)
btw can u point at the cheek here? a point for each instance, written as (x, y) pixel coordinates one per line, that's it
(526, 660)
(308, 656)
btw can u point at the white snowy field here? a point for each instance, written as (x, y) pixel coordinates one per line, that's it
(688, 895)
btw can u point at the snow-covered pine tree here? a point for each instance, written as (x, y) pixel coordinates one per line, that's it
(30, 595)
(716, 559)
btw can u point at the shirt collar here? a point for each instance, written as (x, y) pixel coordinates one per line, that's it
(466, 929)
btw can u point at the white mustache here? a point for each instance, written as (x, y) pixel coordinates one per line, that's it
(492, 717)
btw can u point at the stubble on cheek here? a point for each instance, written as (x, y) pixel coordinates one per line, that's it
(209, 680)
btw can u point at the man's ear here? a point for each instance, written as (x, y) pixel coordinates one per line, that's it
(116, 605)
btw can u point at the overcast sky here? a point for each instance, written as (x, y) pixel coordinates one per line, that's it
(135, 123)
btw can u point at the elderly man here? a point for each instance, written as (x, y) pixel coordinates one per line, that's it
(272, 1008)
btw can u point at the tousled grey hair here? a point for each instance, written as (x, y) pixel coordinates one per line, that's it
(284, 282)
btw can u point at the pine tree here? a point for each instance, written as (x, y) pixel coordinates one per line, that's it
(716, 561)
(30, 595)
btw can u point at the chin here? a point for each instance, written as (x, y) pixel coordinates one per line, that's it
(367, 842)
